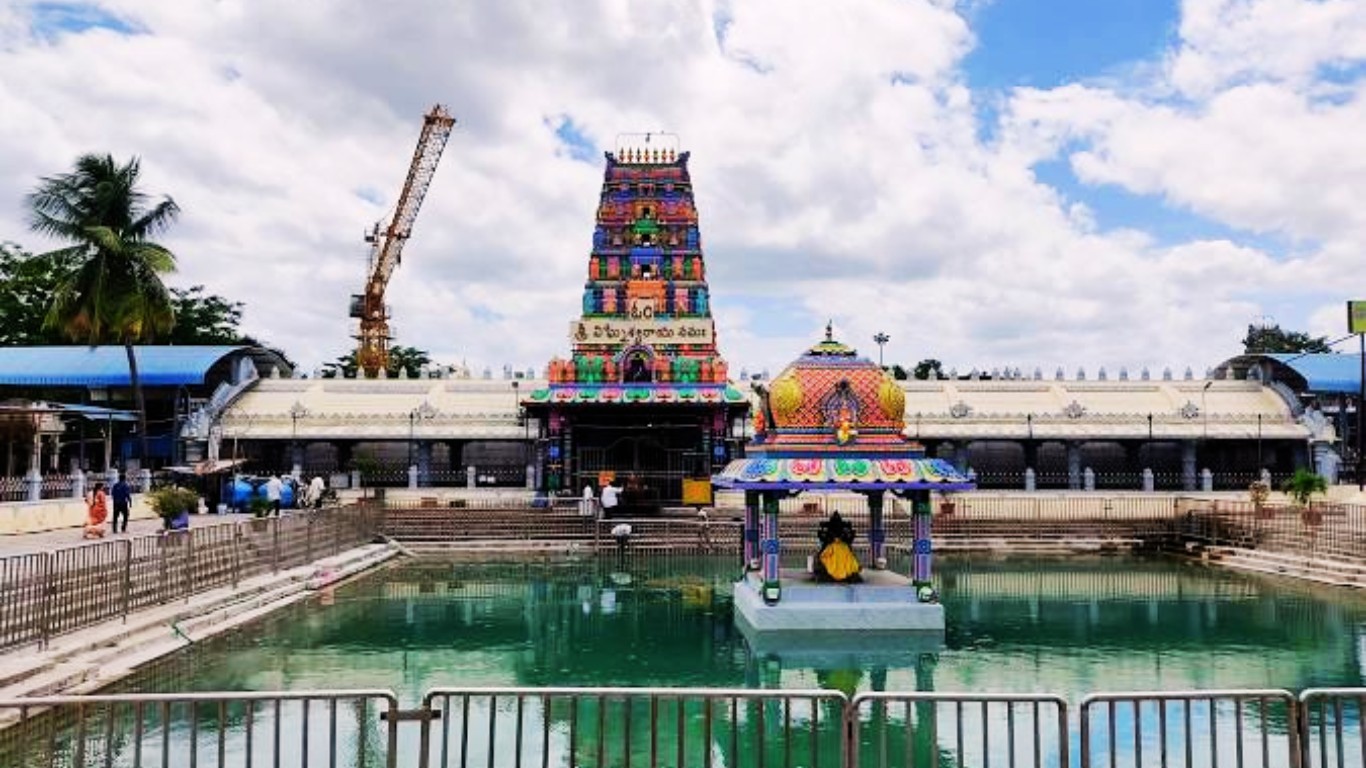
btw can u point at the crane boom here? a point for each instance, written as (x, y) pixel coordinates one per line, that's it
(386, 250)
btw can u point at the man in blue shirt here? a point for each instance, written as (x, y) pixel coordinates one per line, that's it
(123, 500)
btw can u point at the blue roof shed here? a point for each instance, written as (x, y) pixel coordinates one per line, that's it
(1325, 372)
(107, 366)
(1305, 373)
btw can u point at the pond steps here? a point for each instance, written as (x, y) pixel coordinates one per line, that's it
(90, 659)
(1323, 570)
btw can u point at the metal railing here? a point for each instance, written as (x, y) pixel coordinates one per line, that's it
(635, 726)
(295, 728)
(46, 594)
(52, 486)
(1328, 717)
(1322, 529)
(932, 729)
(1190, 728)
(730, 728)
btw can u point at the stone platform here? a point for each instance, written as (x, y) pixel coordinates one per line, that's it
(884, 603)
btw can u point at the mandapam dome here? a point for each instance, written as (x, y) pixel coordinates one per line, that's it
(835, 420)
(829, 382)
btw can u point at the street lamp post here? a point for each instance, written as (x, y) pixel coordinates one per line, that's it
(880, 339)
(296, 412)
(1204, 413)
(1204, 418)
(1259, 442)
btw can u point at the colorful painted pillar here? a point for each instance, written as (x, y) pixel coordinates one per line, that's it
(921, 573)
(772, 592)
(751, 541)
(877, 531)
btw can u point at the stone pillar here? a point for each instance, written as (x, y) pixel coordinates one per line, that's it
(1073, 465)
(1031, 462)
(771, 550)
(296, 459)
(470, 477)
(1265, 476)
(1188, 473)
(922, 571)
(1206, 480)
(751, 541)
(412, 476)
(424, 463)
(1031, 481)
(531, 477)
(78, 485)
(34, 481)
(1326, 461)
(1149, 482)
(144, 480)
(877, 532)
(355, 478)
(1088, 479)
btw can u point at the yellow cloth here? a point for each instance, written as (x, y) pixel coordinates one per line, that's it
(839, 561)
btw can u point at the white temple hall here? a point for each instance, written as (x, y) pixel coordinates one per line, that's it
(1121, 430)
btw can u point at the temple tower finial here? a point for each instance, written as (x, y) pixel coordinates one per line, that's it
(830, 330)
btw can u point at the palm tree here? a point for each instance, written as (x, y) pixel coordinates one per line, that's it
(115, 294)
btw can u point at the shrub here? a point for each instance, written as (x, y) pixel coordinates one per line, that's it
(1304, 484)
(171, 501)
(259, 506)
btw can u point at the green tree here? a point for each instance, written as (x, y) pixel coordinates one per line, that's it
(409, 359)
(928, 368)
(114, 295)
(27, 283)
(204, 318)
(898, 372)
(1264, 339)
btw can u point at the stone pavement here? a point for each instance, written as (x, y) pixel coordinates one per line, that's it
(46, 541)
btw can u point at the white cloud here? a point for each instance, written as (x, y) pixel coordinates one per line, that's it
(836, 156)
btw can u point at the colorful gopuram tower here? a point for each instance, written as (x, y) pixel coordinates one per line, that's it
(644, 398)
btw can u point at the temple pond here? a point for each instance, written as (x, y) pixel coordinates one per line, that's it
(1069, 626)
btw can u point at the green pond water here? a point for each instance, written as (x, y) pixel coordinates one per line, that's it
(1069, 626)
(1066, 626)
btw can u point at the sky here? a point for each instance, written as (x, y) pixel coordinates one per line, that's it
(992, 183)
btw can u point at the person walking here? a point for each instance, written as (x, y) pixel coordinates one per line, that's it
(313, 497)
(610, 498)
(122, 496)
(273, 490)
(97, 509)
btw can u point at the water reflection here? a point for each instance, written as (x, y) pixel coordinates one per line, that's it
(1069, 626)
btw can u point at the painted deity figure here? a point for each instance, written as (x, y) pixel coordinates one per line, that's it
(845, 431)
(836, 561)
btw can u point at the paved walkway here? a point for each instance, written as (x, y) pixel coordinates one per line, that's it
(46, 541)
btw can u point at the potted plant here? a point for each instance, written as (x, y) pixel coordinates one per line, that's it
(1301, 487)
(173, 505)
(260, 508)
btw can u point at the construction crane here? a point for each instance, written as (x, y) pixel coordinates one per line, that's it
(386, 245)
